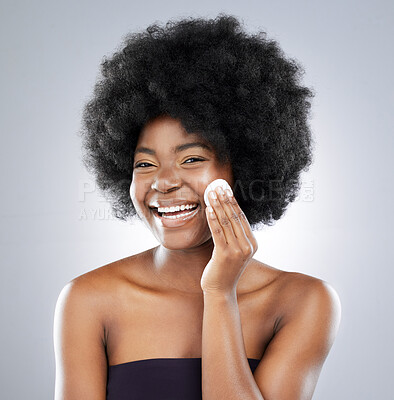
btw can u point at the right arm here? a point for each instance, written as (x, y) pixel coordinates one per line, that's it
(81, 363)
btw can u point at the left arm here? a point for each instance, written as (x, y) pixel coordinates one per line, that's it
(292, 361)
(225, 369)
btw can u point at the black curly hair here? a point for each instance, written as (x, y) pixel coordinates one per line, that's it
(237, 90)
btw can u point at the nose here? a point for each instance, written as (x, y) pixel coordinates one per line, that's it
(166, 181)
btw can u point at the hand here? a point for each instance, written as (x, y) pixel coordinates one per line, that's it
(234, 243)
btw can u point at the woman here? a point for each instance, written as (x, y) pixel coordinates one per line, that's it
(197, 316)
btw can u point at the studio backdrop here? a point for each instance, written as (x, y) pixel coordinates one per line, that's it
(56, 224)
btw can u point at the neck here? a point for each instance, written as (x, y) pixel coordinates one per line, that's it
(181, 269)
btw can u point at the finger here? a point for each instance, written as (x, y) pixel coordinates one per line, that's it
(241, 240)
(218, 236)
(244, 221)
(222, 217)
(232, 215)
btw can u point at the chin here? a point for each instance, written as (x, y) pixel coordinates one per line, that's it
(182, 241)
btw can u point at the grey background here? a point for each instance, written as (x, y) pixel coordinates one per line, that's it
(55, 225)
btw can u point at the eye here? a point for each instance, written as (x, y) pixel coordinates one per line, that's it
(194, 158)
(139, 165)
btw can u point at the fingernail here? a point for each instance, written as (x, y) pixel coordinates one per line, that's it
(213, 194)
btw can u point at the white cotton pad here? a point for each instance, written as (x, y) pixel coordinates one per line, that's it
(213, 185)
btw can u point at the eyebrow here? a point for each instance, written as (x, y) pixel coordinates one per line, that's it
(176, 149)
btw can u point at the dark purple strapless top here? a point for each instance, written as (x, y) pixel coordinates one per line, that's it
(158, 379)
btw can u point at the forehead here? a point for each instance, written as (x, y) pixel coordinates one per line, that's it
(165, 132)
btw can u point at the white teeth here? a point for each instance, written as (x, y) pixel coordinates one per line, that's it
(180, 215)
(176, 208)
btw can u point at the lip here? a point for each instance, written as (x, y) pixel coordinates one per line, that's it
(175, 223)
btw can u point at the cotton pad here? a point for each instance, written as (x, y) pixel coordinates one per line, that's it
(213, 185)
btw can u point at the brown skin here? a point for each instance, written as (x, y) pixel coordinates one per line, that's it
(172, 176)
(150, 305)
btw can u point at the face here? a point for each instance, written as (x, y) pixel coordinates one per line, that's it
(169, 169)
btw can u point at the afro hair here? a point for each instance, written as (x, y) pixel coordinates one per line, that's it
(237, 90)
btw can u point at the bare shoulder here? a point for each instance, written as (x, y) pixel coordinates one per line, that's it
(102, 279)
(99, 288)
(295, 292)
(307, 315)
(305, 296)
(292, 283)
(299, 286)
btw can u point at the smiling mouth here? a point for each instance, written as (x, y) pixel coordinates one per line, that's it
(175, 214)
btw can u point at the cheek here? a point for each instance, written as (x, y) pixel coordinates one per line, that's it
(137, 193)
(210, 175)
(132, 191)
